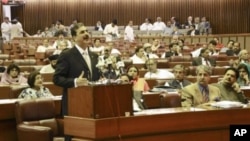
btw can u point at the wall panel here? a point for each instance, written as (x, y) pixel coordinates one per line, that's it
(226, 16)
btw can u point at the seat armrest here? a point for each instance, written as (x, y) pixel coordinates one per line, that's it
(31, 133)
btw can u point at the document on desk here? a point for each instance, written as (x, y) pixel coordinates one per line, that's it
(168, 110)
(245, 87)
(228, 104)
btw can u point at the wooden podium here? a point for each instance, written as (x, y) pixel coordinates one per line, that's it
(100, 101)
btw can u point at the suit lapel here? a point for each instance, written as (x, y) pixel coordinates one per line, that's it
(80, 58)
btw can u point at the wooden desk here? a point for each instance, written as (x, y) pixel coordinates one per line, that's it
(177, 124)
(8, 121)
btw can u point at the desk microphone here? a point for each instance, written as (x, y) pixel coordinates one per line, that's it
(120, 65)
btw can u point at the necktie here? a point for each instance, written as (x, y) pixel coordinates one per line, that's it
(87, 60)
(207, 63)
(205, 94)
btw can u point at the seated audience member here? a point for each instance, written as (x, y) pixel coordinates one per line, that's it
(230, 89)
(176, 31)
(97, 46)
(204, 26)
(155, 73)
(212, 48)
(200, 92)
(169, 29)
(196, 53)
(204, 59)
(178, 82)
(13, 76)
(228, 47)
(44, 47)
(193, 31)
(125, 78)
(159, 24)
(146, 26)
(181, 44)
(62, 45)
(175, 50)
(175, 39)
(139, 56)
(111, 31)
(50, 68)
(114, 51)
(218, 44)
(235, 51)
(189, 22)
(110, 65)
(156, 44)
(139, 84)
(36, 88)
(99, 26)
(148, 51)
(61, 37)
(47, 32)
(243, 79)
(244, 57)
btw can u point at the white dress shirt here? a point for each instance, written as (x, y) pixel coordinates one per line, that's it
(137, 60)
(129, 34)
(146, 27)
(159, 26)
(160, 74)
(108, 30)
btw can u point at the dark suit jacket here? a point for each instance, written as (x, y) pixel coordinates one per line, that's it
(196, 32)
(169, 54)
(198, 61)
(175, 84)
(69, 66)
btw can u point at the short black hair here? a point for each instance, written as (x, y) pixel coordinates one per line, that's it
(213, 42)
(13, 66)
(234, 70)
(32, 78)
(114, 21)
(203, 50)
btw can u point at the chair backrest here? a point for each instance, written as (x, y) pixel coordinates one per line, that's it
(170, 100)
(34, 110)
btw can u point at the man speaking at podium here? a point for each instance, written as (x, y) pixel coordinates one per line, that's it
(76, 66)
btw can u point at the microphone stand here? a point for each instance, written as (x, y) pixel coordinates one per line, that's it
(109, 73)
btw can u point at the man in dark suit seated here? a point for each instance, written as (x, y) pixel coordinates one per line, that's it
(175, 50)
(204, 59)
(178, 82)
(235, 51)
(193, 31)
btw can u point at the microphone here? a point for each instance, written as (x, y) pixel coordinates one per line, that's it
(120, 65)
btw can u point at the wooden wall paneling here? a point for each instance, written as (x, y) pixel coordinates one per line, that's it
(225, 16)
(195, 40)
(247, 43)
(224, 40)
(241, 40)
(203, 40)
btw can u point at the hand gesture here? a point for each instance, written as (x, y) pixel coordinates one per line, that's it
(236, 87)
(246, 78)
(80, 81)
